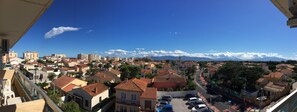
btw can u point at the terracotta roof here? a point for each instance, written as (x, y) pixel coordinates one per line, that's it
(172, 77)
(114, 71)
(286, 71)
(147, 80)
(95, 89)
(149, 93)
(165, 72)
(146, 71)
(132, 85)
(49, 68)
(62, 81)
(69, 87)
(82, 65)
(104, 77)
(274, 75)
(117, 79)
(260, 80)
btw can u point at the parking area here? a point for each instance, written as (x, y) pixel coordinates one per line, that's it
(179, 105)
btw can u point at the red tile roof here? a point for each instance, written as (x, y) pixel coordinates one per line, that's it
(62, 81)
(69, 87)
(149, 93)
(104, 77)
(274, 75)
(132, 85)
(147, 80)
(95, 89)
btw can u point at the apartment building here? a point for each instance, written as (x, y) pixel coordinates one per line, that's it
(134, 96)
(31, 55)
(59, 55)
(82, 56)
(10, 55)
(93, 57)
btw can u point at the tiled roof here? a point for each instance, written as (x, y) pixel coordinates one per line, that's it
(104, 77)
(274, 75)
(132, 85)
(117, 79)
(62, 81)
(146, 71)
(114, 71)
(147, 80)
(149, 93)
(49, 68)
(95, 89)
(172, 77)
(69, 87)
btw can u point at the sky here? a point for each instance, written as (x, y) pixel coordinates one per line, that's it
(198, 28)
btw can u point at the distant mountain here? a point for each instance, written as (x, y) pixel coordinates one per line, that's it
(187, 58)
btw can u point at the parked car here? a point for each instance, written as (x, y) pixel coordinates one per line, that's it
(163, 102)
(200, 106)
(167, 98)
(193, 99)
(165, 108)
(187, 96)
(194, 103)
(202, 109)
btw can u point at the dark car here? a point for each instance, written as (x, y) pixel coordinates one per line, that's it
(165, 108)
(187, 96)
(167, 98)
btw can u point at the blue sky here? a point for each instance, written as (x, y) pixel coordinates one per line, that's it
(192, 27)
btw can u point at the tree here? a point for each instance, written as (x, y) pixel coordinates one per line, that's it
(41, 61)
(129, 71)
(107, 66)
(51, 76)
(70, 107)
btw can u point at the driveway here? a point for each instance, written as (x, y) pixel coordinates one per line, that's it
(179, 105)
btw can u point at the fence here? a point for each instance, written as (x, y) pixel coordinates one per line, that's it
(176, 94)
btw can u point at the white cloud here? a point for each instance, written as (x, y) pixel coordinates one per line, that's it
(89, 31)
(58, 31)
(213, 55)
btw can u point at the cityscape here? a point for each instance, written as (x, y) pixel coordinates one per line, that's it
(148, 56)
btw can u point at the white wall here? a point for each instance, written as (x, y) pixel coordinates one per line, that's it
(175, 93)
(95, 99)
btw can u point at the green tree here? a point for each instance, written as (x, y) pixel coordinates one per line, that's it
(70, 107)
(51, 76)
(129, 71)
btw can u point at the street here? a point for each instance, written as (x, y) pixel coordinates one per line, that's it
(202, 90)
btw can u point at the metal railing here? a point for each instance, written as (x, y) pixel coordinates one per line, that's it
(34, 92)
(128, 102)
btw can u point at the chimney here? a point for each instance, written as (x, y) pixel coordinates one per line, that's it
(95, 89)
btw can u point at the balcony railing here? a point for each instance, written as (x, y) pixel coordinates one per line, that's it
(128, 102)
(33, 92)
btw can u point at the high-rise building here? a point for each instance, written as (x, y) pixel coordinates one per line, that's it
(59, 55)
(93, 57)
(31, 55)
(6, 57)
(82, 56)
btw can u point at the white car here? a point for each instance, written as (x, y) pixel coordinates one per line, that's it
(193, 99)
(198, 107)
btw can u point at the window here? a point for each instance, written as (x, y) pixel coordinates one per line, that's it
(123, 97)
(133, 99)
(147, 104)
(87, 103)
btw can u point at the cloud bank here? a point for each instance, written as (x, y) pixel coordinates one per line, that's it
(140, 52)
(58, 31)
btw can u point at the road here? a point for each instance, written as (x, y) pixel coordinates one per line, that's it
(202, 89)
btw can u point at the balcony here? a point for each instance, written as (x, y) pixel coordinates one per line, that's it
(127, 102)
(34, 99)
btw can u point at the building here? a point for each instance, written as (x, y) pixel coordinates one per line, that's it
(31, 55)
(276, 90)
(6, 58)
(89, 97)
(93, 57)
(134, 96)
(65, 83)
(168, 79)
(101, 77)
(59, 55)
(82, 56)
